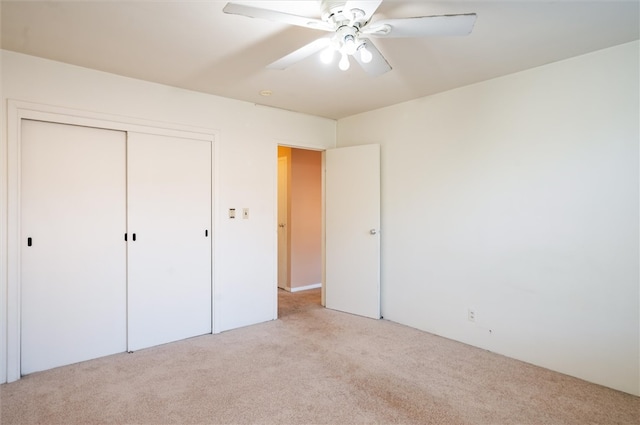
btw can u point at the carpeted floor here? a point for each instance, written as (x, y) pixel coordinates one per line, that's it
(297, 302)
(312, 366)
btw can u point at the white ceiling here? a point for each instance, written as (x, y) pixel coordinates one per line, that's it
(194, 45)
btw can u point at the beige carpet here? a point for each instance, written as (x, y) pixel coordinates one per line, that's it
(313, 366)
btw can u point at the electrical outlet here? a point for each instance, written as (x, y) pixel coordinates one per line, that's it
(471, 315)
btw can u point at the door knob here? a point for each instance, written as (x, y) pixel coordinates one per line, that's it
(373, 231)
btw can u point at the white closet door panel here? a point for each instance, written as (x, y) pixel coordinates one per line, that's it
(169, 204)
(73, 276)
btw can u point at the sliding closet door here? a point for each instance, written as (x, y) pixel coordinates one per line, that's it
(169, 239)
(73, 256)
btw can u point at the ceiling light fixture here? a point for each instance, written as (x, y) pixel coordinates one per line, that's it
(327, 55)
(365, 55)
(347, 43)
(351, 25)
(344, 62)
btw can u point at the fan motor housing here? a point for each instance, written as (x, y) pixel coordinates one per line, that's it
(331, 8)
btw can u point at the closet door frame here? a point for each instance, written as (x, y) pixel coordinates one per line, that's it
(16, 112)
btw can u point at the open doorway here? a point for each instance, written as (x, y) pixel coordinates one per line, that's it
(299, 228)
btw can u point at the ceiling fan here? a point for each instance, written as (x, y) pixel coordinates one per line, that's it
(350, 25)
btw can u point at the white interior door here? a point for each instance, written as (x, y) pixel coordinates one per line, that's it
(283, 219)
(352, 220)
(169, 239)
(73, 256)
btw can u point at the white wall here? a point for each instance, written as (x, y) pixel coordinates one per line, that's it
(245, 169)
(518, 197)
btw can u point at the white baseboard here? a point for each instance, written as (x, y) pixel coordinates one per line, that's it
(306, 288)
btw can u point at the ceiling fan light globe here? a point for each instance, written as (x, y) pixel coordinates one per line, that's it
(326, 56)
(365, 55)
(350, 45)
(344, 62)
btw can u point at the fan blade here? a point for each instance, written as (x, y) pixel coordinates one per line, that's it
(378, 64)
(423, 26)
(368, 7)
(301, 53)
(274, 15)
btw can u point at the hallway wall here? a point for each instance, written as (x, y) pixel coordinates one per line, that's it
(306, 218)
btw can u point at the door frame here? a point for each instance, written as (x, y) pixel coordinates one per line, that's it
(323, 224)
(283, 165)
(275, 226)
(10, 289)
